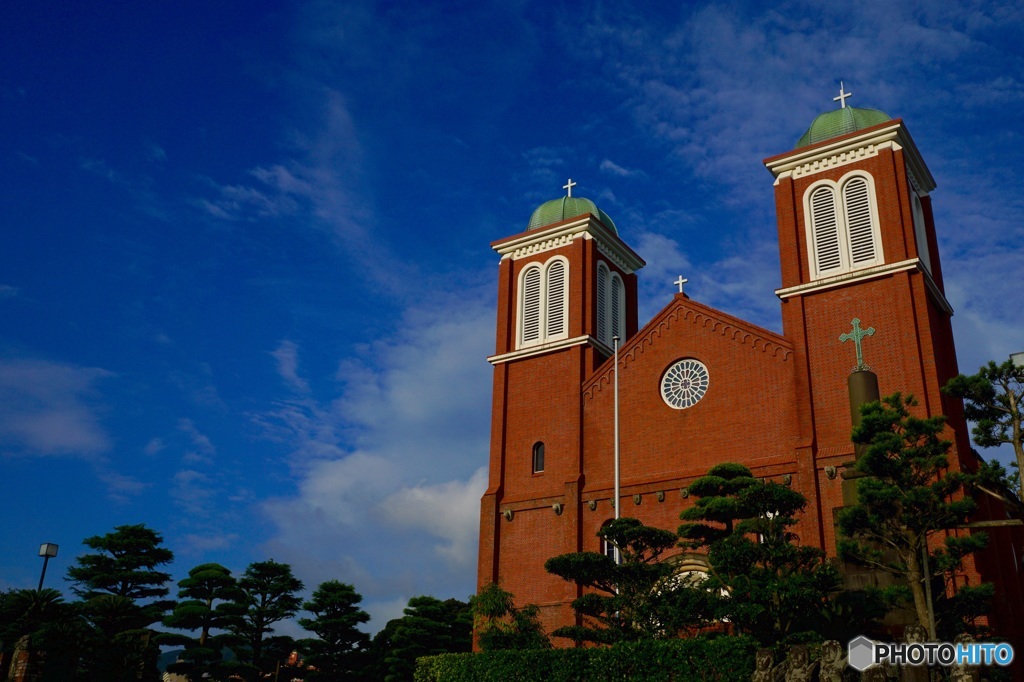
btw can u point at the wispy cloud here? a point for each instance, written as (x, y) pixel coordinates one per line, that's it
(51, 408)
(200, 450)
(288, 364)
(7, 291)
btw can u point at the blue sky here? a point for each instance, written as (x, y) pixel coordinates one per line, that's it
(246, 292)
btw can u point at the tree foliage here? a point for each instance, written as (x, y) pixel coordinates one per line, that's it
(338, 651)
(207, 603)
(123, 594)
(429, 627)
(906, 496)
(499, 625)
(636, 599)
(268, 594)
(994, 401)
(763, 581)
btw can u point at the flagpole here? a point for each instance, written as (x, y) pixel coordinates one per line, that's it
(615, 342)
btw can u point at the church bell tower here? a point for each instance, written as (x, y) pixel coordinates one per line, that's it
(566, 287)
(857, 245)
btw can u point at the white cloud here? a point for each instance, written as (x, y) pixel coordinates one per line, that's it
(50, 408)
(394, 460)
(447, 510)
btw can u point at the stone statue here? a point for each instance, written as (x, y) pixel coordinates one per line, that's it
(799, 667)
(765, 669)
(914, 634)
(875, 673)
(961, 672)
(832, 662)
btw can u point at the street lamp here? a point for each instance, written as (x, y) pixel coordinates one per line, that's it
(46, 550)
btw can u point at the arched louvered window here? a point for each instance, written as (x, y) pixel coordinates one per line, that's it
(557, 293)
(544, 302)
(611, 305)
(538, 457)
(920, 233)
(842, 225)
(618, 293)
(602, 303)
(857, 205)
(531, 299)
(825, 231)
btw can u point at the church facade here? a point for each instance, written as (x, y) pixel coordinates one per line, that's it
(697, 386)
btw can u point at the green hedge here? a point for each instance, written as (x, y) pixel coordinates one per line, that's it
(679, 660)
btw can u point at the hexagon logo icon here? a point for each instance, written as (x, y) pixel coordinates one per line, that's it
(861, 653)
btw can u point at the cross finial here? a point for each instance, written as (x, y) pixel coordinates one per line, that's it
(857, 335)
(568, 187)
(680, 282)
(842, 96)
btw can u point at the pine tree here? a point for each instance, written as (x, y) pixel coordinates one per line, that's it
(338, 651)
(765, 583)
(208, 602)
(638, 598)
(123, 594)
(269, 594)
(994, 401)
(429, 627)
(907, 496)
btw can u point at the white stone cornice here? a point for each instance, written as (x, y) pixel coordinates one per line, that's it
(542, 348)
(848, 149)
(557, 236)
(866, 274)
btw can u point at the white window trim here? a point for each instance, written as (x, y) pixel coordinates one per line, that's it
(843, 226)
(542, 338)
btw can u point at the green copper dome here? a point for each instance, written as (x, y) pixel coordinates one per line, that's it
(840, 122)
(557, 210)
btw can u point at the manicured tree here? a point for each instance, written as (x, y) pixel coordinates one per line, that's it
(269, 594)
(338, 653)
(429, 627)
(907, 496)
(768, 585)
(123, 594)
(994, 401)
(500, 625)
(638, 598)
(208, 602)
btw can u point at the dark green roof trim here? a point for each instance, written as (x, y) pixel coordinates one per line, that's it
(840, 122)
(557, 210)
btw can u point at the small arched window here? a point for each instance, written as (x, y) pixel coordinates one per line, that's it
(608, 548)
(538, 457)
(557, 292)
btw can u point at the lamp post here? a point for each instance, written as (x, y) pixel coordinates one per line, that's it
(46, 550)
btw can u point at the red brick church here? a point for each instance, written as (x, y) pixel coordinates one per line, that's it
(856, 240)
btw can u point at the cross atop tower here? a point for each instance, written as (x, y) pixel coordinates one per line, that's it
(680, 282)
(857, 335)
(842, 96)
(568, 187)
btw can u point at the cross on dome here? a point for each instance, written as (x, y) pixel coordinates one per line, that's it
(857, 335)
(842, 96)
(568, 187)
(680, 282)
